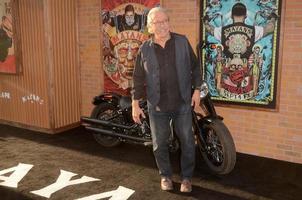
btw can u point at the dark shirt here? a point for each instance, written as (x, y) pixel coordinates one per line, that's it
(168, 85)
(170, 97)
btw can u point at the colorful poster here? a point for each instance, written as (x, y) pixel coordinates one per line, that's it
(124, 30)
(7, 53)
(241, 66)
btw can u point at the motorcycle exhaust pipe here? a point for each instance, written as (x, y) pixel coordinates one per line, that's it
(104, 123)
(114, 134)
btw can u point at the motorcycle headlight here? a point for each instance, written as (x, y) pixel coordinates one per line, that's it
(204, 90)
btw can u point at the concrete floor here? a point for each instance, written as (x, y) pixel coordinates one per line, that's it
(133, 167)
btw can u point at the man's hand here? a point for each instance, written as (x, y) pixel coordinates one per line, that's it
(137, 112)
(195, 99)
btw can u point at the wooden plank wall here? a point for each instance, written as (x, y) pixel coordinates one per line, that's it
(28, 102)
(65, 88)
(45, 95)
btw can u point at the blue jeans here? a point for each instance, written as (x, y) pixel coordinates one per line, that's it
(160, 129)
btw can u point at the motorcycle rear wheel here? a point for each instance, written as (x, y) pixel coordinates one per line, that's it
(105, 111)
(220, 154)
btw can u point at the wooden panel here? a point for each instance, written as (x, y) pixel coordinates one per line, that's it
(28, 100)
(62, 16)
(46, 94)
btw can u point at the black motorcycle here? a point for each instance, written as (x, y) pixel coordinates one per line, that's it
(111, 123)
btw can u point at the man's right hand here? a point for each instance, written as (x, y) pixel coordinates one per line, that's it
(137, 112)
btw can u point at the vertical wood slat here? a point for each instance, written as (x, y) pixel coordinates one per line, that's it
(66, 96)
(49, 62)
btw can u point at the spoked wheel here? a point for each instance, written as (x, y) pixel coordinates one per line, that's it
(108, 112)
(220, 153)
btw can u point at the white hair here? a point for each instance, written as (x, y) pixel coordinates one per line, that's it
(151, 14)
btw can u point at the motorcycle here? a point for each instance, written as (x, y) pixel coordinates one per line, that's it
(111, 124)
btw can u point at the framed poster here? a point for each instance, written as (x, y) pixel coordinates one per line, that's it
(123, 30)
(241, 67)
(8, 38)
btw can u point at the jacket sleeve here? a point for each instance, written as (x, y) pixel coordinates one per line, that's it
(195, 68)
(138, 78)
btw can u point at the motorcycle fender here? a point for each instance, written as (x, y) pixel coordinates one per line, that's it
(208, 120)
(106, 97)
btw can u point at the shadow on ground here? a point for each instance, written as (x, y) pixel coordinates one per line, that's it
(12, 194)
(252, 178)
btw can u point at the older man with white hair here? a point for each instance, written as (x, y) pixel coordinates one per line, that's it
(168, 69)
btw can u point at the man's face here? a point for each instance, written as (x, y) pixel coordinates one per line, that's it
(129, 17)
(160, 25)
(236, 64)
(257, 50)
(215, 2)
(126, 53)
(219, 49)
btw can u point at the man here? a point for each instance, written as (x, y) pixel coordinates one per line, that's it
(130, 20)
(126, 22)
(5, 38)
(238, 38)
(167, 67)
(219, 63)
(255, 62)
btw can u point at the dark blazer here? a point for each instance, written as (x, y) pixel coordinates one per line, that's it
(146, 71)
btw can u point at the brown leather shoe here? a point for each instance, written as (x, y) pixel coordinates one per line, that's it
(166, 184)
(186, 186)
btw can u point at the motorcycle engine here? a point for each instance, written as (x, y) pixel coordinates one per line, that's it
(145, 129)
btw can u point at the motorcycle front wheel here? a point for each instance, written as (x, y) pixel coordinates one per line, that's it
(105, 111)
(220, 152)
